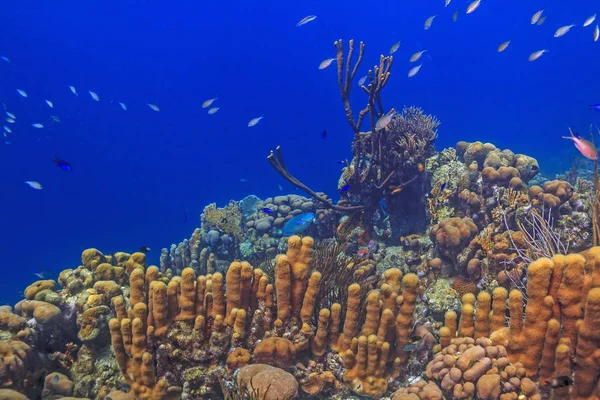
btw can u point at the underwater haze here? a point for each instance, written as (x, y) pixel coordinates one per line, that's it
(137, 173)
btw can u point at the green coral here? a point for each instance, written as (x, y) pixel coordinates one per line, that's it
(441, 297)
(227, 219)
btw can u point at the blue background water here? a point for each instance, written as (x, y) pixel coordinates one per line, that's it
(136, 172)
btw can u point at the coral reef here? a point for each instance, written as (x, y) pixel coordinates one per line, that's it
(458, 274)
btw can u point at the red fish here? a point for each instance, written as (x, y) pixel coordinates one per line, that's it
(585, 147)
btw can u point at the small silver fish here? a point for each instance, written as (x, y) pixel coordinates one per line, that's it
(473, 6)
(415, 57)
(254, 121)
(385, 120)
(94, 95)
(5, 59)
(596, 33)
(280, 188)
(10, 120)
(429, 21)
(153, 107)
(213, 110)
(123, 106)
(536, 17)
(7, 129)
(326, 63)
(503, 46)
(208, 102)
(34, 184)
(541, 21)
(38, 126)
(563, 30)
(415, 70)
(11, 115)
(55, 119)
(395, 47)
(306, 20)
(22, 92)
(590, 20)
(537, 54)
(455, 16)
(447, 2)
(362, 80)
(50, 104)
(73, 90)
(41, 276)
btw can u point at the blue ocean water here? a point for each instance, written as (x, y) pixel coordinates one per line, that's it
(136, 172)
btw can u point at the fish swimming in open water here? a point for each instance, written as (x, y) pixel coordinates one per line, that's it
(62, 164)
(585, 147)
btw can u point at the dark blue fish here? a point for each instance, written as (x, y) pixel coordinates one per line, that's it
(324, 134)
(125, 387)
(561, 381)
(62, 164)
(267, 210)
(144, 249)
(442, 187)
(297, 224)
(595, 107)
(55, 379)
(345, 188)
(341, 162)
(185, 217)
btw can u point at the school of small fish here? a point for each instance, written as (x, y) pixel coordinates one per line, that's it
(537, 19)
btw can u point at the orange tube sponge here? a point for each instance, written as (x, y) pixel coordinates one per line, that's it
(118, 303)
(239, 325)
(137, 260)
(283, 284)
(173, 298)
(549, 351)
(351, 322)
(245, 285)
(537, 313)
(571, 296)
(300, 258)
(275, 351)
(160, 313)
(319, 343)
(308, 305)
(233, 280)
(218, 296)
(200, 293)
(372, 319)
(557, 276)
(187, 299)
(588, 347)
(404, 320)
(126, 334)
(117, 343)
(138, 342)
(562, 367)
(450, 322)
(465, 324)
(385, 333)
(365, 367)
(482, 315)
(136, 288)
(334, 324)
(498, 318)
